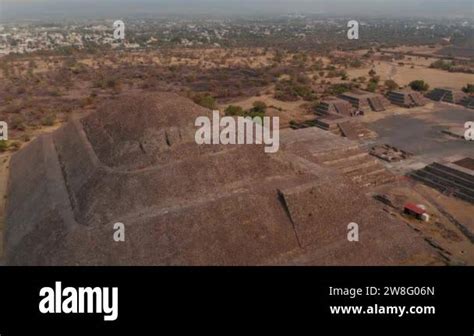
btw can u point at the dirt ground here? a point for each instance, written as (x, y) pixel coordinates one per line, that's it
(422, 49)
(440, 232)
(420, 132)
(404, 74)
(417, 130)
(287, 111)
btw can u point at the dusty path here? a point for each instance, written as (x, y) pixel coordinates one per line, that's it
(393, 72)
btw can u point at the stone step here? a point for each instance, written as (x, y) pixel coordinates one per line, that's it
(441, 188)
(366, 171)
(336, 154)
(358, 165)
(447, 184)
(455, 172)
(450, 174)
(377, 178)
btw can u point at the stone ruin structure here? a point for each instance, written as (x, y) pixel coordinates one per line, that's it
(366, 101)
(455, 178)
(335, 106)
(406, 98)
(135, 161)
(447, 95)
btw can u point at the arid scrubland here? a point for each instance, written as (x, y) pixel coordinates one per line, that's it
(41, 92)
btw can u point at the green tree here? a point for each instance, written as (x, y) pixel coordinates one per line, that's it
(440, 64)
(372, 86)
(419, 85)
(469, 88)
(3, 145)
(259, 106)
(337, 89)
(205, 100)
(233, 110)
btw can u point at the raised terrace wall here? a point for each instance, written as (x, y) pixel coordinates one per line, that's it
(334, 106)
(468, 102)
(366, 101)
(449, 178)
(406, 98)
(184, 204)
(447, 95)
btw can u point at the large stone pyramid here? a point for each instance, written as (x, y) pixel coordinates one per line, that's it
(135, 161)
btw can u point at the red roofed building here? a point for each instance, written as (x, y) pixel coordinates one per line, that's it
(414, 210)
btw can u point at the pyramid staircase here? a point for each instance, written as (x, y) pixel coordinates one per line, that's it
(366, 101)
(323, 109)
(355, 130)
(358, 103)
(437, 94)
(447, 95)
(398, 98)
(448, 178)
(356, 164)
(329, 125)
(334, 106)
(468, 102)
(376, 104)
(406, 98)
(417, 99)
(454, 97)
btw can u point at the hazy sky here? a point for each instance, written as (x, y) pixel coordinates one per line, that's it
(109, 8)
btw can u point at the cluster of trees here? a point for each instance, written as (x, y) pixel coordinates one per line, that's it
(317, 65)
(258, 109)
(440, 64)
(337, 73)
(108, 83)
(295, 88)
(205, 100)
(451, 66)
(373, 81)
(469, 88)
(337, 89)
(419, 85)
(9, 145)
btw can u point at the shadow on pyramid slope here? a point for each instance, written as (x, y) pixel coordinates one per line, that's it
(135, 162)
